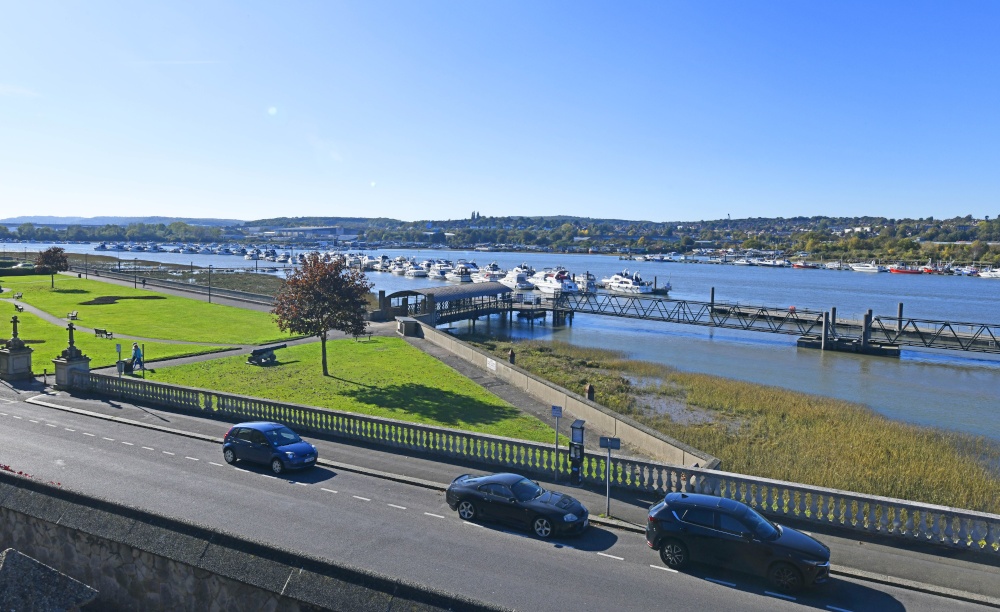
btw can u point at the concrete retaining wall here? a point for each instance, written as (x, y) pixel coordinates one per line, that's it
(658, 445)
(141, 561)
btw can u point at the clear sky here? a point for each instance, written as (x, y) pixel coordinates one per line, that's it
(434, 109)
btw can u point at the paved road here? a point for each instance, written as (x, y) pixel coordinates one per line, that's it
(380, 523)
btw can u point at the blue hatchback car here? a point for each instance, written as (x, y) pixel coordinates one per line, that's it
(270, 444)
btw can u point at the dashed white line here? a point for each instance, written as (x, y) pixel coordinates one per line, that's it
(611, 556)
(836, 609)
(395, 506)
(32, 421)
(169, 453)
(302, 484)
(434, 515)
(723, 582)
(666, 569)
(215, 464)
(89, 434)
(327, 490)
(147, 448)
(49, 425)
(779, 595)
(4, 414)
(361, 498)
(68, 429)
(108, 439)
(16, 417)
(193, 458)
(128, 444)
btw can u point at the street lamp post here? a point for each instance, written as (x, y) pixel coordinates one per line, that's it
(209, 283)
(135, 273)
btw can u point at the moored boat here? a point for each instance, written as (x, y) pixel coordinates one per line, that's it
(627, 282)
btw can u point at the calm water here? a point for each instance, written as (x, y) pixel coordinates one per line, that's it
(937, 388)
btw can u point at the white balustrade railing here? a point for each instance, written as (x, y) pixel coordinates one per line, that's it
(867, 513)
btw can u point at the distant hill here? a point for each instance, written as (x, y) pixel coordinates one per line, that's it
(50, 220)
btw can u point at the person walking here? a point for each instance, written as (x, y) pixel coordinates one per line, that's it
(137, 357)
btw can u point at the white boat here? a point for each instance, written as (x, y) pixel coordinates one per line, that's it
(489, 274)
(439, 269)
(554, 280)
(868, 267)
(101, 247)
(459, 274)
(743, 261)
(773, 263)
(517, 280)
(415, 271)
(627, 282)
(990, 273)
(834, 265)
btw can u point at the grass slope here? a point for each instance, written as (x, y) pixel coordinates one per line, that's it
(383, 377)
(170, 318)
(48, 340)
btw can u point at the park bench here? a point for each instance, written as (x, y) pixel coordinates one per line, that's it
(17, 295)
(103, 333)
(72, 315)
(18, 308)
(264, 355)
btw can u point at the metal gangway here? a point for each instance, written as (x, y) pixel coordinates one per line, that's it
(888, 330)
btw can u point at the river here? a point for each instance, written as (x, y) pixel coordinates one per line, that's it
(945, 389)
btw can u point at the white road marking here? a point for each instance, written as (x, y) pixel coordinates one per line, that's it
(169, 453)
(16, 417)
(395, 506)
(361, 498)
(666, 569)
(611, 556)
(147, 448)
(728, 584)
(779, 595)
(434, 515)
(89, 434)
(302, 484)
(472, 524)
(215, 464)
(68, 429)
(108, 439)
(193, 458)
(836, 609)
(32, 421)
(128, 444)
(327, 490)
(49, 425)
(4, 414)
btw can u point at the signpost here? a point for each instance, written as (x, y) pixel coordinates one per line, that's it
(118, 347)
(556, 412)
(609, 443)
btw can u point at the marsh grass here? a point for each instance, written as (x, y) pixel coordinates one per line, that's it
(775, 433)
(170, 318)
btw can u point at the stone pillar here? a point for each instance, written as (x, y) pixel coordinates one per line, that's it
(15, 358)
(69, 361)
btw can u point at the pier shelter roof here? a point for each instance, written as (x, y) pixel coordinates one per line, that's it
(447, 293)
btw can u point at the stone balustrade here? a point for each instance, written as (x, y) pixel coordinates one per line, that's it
(866, 513)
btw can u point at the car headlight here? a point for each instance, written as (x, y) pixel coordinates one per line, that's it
(815, 562)
(290, 455)
(569, 518)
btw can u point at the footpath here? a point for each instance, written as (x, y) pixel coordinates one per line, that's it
(959, 574)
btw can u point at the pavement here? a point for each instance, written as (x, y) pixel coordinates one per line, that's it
(956, 573)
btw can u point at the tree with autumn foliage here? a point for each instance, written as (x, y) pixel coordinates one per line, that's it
(52, 260)
(320, 297)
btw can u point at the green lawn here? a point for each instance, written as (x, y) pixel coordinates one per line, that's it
(147, 314)
(383, 377)
(48, 340)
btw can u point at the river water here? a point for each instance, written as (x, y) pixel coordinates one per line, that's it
(946, 389)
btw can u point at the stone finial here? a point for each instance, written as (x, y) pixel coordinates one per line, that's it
(14, 343)
(71, 351)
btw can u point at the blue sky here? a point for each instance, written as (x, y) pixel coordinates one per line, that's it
(415, 110)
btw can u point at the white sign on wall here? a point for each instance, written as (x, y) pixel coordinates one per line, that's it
(491, 365)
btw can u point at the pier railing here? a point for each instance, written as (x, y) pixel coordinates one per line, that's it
(895, 518)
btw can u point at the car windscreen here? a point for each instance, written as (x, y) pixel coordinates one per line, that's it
(524, 490)
(762, 528)
(283, 436)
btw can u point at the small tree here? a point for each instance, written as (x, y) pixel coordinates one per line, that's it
(52, 260)
(323, 296)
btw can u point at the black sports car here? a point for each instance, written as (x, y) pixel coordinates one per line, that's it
(513, 499)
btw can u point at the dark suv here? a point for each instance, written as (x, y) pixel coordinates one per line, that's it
(687, 527)
(270, 444)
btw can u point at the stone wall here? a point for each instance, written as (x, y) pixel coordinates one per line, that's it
(141, 561)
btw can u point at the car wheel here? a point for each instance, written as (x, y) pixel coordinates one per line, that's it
(785, 577)
(277, 466)
(229, 455)
(542, 527)
(674, 554)
(467, 510)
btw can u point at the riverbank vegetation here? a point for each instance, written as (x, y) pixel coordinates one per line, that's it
(775, 433)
